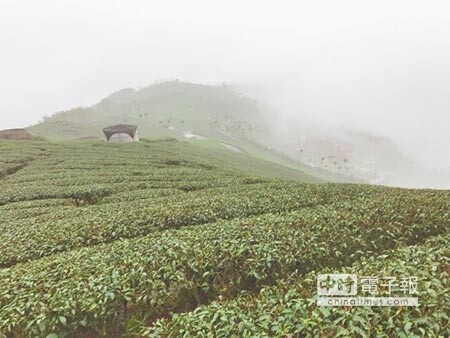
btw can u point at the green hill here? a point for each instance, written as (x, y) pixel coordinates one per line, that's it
(165, 109)
(211, 116)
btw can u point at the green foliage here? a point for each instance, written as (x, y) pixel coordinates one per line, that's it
(106, 240)
(290, 306)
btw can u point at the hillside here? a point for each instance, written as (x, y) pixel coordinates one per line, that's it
(351, 153)
(17, 155)
(164, 109)
(218, 116)
(158, 237)
(212, 116)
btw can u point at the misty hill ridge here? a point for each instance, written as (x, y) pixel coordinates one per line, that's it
(163, 109)
(221, 114)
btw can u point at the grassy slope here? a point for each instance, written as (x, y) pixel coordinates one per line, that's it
(171, 109)
(263, 153)
(154, 109)
(16, 153)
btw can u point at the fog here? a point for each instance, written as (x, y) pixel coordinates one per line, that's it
(381, 66)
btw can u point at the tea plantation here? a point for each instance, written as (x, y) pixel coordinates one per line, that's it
(162, 238)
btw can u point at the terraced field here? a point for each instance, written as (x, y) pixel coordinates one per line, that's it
(165, 239)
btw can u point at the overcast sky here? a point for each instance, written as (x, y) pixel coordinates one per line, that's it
(378, 65)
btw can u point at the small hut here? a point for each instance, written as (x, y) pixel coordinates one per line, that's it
(121, 133)
(14, 134)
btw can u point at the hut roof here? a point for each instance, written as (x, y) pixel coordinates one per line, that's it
(120, 129)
